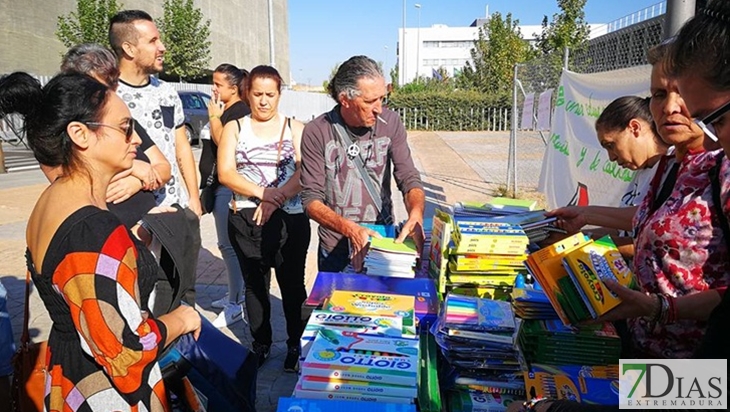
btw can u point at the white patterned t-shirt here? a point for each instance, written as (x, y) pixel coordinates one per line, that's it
(158, 108)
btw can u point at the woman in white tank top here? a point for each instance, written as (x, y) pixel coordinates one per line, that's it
(259, 158)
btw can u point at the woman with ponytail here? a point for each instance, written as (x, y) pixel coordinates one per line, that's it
(227, 104)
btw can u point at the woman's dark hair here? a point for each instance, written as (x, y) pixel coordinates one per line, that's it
(234, 77)
(702, 46)
(48, 111)
(264, 72)
(617, 115)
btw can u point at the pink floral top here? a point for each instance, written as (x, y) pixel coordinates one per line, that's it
(679, 249)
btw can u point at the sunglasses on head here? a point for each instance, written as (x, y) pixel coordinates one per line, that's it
(127, 129)
(706, 123)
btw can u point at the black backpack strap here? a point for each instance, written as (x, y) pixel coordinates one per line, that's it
(667, 187)
(715, 185)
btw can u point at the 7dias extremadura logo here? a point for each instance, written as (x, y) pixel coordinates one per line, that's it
(673, 384)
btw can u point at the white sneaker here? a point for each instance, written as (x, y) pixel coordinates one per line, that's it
(231, 314)
(220, 303)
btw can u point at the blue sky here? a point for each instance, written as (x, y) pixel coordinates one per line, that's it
(324, 33)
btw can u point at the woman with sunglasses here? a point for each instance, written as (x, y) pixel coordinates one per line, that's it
(699, 60)
(130, 193)
(680, 245)
(103, 347)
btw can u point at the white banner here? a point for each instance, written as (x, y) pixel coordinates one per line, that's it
(575, 168)
(527, 112)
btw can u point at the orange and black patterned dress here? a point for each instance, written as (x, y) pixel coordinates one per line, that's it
(103, 347)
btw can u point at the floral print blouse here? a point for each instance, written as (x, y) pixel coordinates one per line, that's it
(680, 250)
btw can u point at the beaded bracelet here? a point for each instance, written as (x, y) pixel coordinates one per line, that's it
(656, 307)
(529, 406)
(672, 315)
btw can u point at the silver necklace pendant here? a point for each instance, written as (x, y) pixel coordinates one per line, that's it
(353, 150)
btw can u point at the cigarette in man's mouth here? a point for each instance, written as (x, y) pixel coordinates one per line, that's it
(382, 120)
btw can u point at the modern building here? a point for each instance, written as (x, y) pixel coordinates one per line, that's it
(240, 32)
(425, 50)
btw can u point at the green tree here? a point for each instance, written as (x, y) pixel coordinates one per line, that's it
(326, 83)
(88, 24)
(394, 73)
(185, 35)
(498, 47)
(568, 29)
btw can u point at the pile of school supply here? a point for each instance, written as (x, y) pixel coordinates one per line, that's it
(477, 339)
(477, 401)
(485, 236)
(387, 258)
(429, 388)
(375, 304)
(496, 207)
(572, 271)
(326, 321)
(484, 253)
(586, 384)
(552, 343)
(536, 225)
(379, 368)
(427, 224)
(422, 290)
(532, 303)
(330, 405)
(438, 252)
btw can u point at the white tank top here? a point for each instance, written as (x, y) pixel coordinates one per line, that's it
(256, 161)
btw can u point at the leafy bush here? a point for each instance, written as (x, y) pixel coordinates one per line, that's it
(459, 110)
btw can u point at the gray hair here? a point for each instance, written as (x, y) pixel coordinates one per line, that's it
(349, 73)
(92, 59)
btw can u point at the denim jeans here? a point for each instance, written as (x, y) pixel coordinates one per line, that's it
(7, 345)
(221, 207)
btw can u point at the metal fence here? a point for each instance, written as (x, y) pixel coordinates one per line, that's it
(494, 119)
(625, 44)
(621, 48)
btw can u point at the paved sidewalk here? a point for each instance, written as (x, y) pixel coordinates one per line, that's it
(454, 166)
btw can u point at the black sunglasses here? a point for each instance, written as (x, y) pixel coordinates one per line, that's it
(128, 128)
(706, 123)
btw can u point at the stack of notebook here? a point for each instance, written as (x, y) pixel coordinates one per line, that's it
(531, 303)
(495, 207)
(485, 253)
(550, 342)
(387, 258)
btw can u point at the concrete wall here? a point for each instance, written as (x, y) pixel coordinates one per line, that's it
(239, 32)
